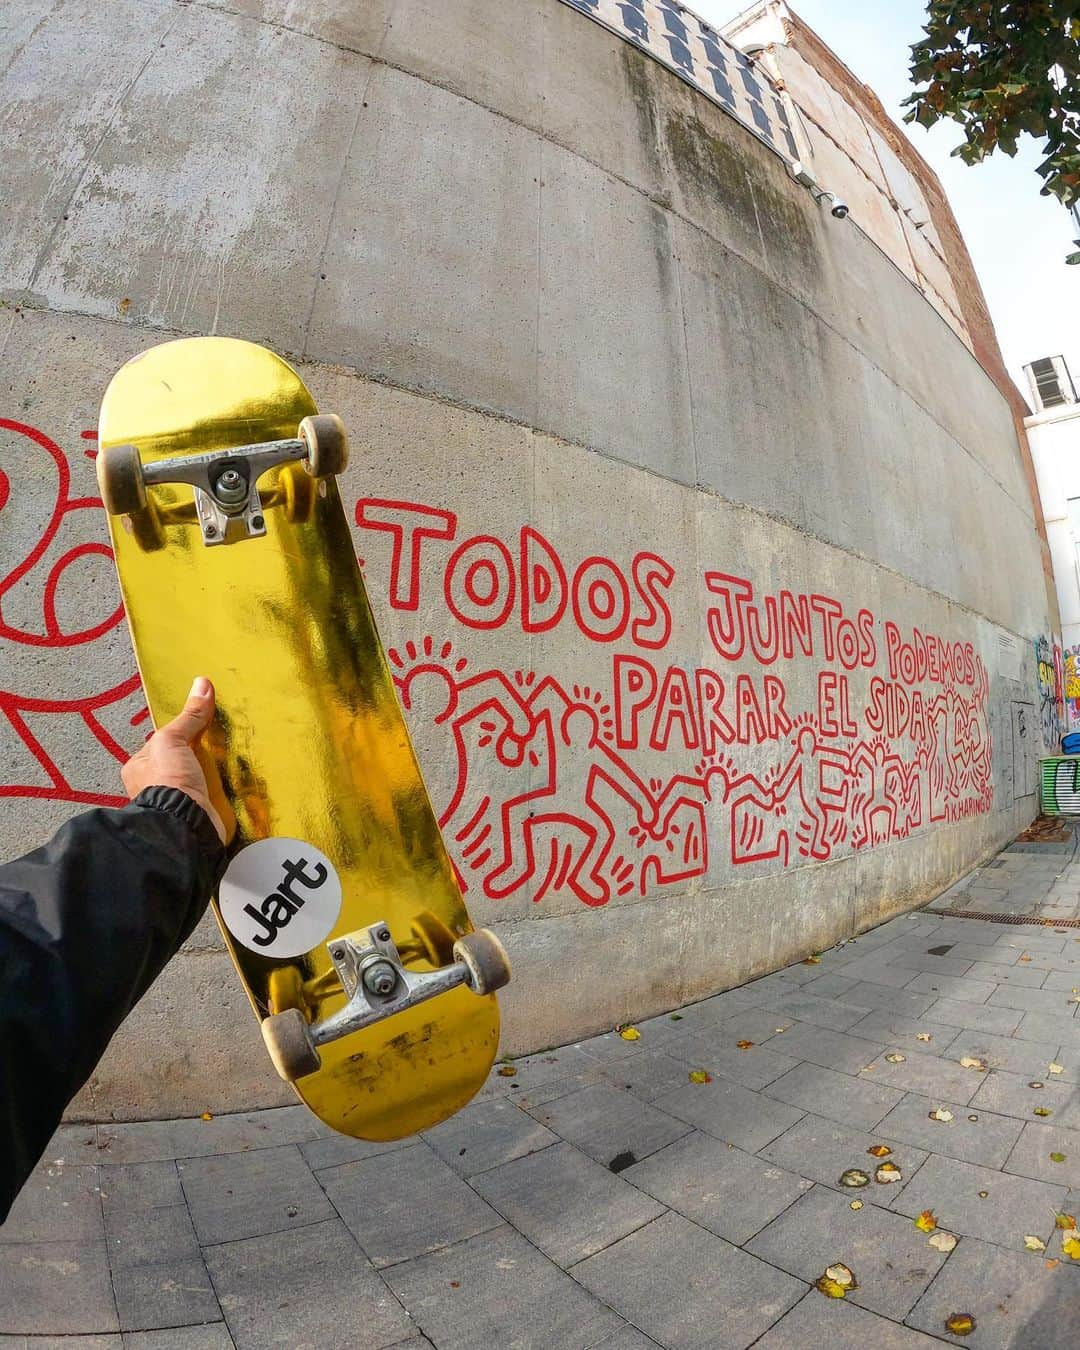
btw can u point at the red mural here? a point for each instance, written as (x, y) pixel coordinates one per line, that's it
(642, 777)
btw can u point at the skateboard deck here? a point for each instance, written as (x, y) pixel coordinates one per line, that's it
(309, 738)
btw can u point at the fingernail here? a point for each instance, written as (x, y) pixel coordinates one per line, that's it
(200, 688)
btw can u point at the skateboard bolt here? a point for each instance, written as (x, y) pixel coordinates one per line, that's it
(231, 486)
(380, 978)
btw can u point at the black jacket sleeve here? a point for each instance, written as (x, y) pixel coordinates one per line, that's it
(86, 925)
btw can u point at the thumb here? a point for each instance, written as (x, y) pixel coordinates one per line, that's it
(197, 711)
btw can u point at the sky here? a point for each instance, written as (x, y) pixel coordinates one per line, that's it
(1017, 239)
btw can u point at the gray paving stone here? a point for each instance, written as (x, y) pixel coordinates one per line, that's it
(168, 1294)
(405, 1203)
(565, 1203)
(894, 1030)
(837, 1324)
(332, 1152)
(890, 1258)
(58, 1204)
(478, 1292)
(831, 986)
(753, 1067)
(831, 1049)
(1051, 1001)
(931, 965)
(824, 1149)
(240, 1195)
(648, 1076)
(612, 1046)
(1017, 1303)
(214, 1337)
(956, 1013)
(927, 1074)
(727, 1191)
(56, 1289)
(543, 1076)
(873, 970)
(852, 1101)
(976, 952)
(1012, 1207)
(898, 1000)
(1009, 1094)
(62, 1342)
(628, 1338)
(753, 1024)
(1000, 973)
(1049, 1027)
(139, 1237)
(308, 1287)
(681, 1285)
(604, 1122)
(486, 1134)
(986, 1141)
(1004, 1052)
(1067, 980)
(1032, 1155)
(730, 1112)
(151, 1185)
(822, 1012)
(952, 986)
(152, 1140)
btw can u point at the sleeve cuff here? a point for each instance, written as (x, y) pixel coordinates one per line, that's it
(177, 803)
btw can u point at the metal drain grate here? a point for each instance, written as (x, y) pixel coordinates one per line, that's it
(1009, 918)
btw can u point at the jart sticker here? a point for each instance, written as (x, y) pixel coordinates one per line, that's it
(280, 897)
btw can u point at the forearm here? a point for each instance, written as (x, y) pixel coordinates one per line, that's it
(86, 925)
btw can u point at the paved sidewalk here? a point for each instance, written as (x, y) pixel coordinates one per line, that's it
(599, 1199)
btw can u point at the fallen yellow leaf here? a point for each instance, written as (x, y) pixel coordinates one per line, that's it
(879, 1150)
(837, 1282)
(960, 1324)
(1064, 1220)
(940, 1113)
(887, 1173)
(926, 1222)
(745, 1045)
(969, 1063)
(700, 1076)
(1042, 1111)
(942, 1241)
(1056, 1068)
(855, 1176)
(812, 961)
(206, 1115)
(895, 1058)
(1036, 1084)
(1070, 1244)
(778, 1030)
(1025, 958)
(923, 1036)
(1033, 1243)
(630, 1033)
(856, 1204)
(983, 1195)
(507, 1071)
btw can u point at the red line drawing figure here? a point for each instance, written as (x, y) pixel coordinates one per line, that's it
(43, 734)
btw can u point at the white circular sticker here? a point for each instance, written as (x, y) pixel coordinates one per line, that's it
(280, 897)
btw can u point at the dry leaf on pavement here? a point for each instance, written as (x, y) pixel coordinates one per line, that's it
(943, 1242)
(1056, 1068)
(926, 1222)
(507, 1071)
(895, 1058)
(1057, 1157)
(1033, 1243)
(856, 1204)
(940, 1113)
(887, 1173)
(700, 1076)
(811, 960)
(854, 1176)
(1042, 1111)
(923, 1036)
(1064, 1220)
(837, 1281)
(960, 1324)
(1070, 1244)
(630, 1033)
(969, 1063)
(745, 1045)
(879, 1150)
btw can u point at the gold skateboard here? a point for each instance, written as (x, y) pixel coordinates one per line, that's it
(339, 907)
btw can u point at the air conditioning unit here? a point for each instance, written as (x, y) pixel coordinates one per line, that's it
(1059, 786)
(1050, 381)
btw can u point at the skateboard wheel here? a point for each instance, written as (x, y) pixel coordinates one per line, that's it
(485, 956)
(434, 939)
(288, 1043)
(120, 478)
(327, 444)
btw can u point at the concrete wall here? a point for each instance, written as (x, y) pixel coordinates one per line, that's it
(587, 333)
